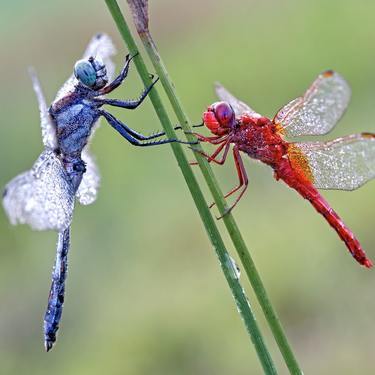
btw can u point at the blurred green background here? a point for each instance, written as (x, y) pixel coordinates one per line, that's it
(145, 294)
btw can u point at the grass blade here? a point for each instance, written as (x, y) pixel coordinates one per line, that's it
(140, 15)
(204, 212)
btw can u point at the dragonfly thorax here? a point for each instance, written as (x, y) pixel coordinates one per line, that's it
(259, 139)
(73, 116)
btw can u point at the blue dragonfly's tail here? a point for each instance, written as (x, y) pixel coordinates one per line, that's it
(56, 295)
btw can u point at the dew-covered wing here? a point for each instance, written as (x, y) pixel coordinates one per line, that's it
(48, 129)
(88, 189)
(318, 110)
(343, 164)
(238, 106)
(41, 197)
(101, 47)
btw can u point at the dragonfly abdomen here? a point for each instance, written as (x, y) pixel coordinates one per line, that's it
(57, 291)
(342, 230)
(309, 192)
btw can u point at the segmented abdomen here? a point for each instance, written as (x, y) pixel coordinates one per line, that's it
(309, 192)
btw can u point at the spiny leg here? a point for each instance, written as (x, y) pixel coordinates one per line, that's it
(120, 78)
(213, 140)
(193, 126)
(128, 104)
(56, 295)
(134, 137)
(157, 135)
(132, 132)
(243, 180)
(212, 157)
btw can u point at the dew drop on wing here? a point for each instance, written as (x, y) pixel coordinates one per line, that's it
(88, 189)
(41, 197)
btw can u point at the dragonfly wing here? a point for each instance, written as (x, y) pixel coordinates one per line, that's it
(344, 163)
(318, 110)
(100, 46)
(48, 129)
(238, 106)
(88, 189)
(41, 197)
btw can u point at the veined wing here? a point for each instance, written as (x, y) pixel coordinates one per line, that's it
(48, 129)
(41, 197)
(344, 163)
(101, 47)
(238, 106)
(318, 110)
(88, 189)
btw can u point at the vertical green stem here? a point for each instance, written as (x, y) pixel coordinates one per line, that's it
(230, 223)
(205, 214)
(212, 183)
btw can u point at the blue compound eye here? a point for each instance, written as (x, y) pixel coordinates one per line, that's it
(85, 72)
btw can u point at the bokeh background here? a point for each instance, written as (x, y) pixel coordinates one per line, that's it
(145, 294)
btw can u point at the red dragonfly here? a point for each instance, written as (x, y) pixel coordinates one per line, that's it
(343, 163)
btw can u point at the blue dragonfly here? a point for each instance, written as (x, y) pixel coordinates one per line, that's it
(44, 196)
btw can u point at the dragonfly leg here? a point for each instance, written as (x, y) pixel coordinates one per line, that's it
(155, 134)
(243, 180)
(213, 140)
(134, 137)
(212, 157)
(120, 78)
(193, 126)
(128, 104)
(56, 295)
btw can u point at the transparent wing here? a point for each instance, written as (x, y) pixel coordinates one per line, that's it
(41, 197)
(318, 110)
(100, 46)
(344, 163)
(238, 106)
(48, 129)
(88, 189)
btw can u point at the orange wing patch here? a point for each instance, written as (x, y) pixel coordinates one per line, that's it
(328, 73)
(279, 129)
(299, 162)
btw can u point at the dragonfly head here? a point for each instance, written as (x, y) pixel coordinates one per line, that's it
(91, 73)
(219, 118)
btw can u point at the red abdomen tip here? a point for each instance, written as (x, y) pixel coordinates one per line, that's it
(367, 263)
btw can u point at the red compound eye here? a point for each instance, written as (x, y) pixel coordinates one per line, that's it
(224, 113)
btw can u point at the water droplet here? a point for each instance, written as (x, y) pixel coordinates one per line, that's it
(235, 270)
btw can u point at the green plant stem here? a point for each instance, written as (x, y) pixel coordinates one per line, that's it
(205, 214)
(229, 221)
